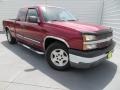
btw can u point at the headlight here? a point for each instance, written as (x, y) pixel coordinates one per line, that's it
(89, 37)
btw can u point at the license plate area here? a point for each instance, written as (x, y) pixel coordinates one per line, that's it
(109, 55)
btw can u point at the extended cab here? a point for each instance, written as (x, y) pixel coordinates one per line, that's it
(65, 40)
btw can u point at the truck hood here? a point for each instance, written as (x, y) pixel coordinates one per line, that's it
(76, 25)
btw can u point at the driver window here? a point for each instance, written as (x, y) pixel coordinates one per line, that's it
(31, 12)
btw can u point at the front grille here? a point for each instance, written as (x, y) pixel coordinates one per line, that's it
(103, 35)
(104, 44)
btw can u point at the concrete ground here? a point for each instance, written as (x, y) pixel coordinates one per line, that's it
(22, 69)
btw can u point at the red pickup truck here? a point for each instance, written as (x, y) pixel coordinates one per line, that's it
(65, 41)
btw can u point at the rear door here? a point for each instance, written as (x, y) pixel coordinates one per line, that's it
(19, 25)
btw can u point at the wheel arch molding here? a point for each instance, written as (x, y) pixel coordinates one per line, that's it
(55, 38)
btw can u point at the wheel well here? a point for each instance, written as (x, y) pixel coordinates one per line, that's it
(6, 29)
(49, 41)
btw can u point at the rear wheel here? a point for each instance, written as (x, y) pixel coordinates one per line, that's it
(57, 56)
(10, 39)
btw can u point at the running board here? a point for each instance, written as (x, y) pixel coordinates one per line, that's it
(38, 52)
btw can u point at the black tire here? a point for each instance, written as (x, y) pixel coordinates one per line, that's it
(50, 49)
(10, 39)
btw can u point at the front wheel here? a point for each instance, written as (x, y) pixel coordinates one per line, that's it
(57, 56)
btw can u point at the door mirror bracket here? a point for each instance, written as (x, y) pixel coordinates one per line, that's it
(33, 19)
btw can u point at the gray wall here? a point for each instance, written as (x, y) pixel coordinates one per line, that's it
(111, 17)
(85, 10)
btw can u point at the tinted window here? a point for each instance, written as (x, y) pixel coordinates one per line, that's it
(32, 12)
(22, 14)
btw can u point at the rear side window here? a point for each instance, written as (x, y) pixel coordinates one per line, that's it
(22, 15)
(31, 12)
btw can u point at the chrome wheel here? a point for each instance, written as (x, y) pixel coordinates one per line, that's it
(59, 57)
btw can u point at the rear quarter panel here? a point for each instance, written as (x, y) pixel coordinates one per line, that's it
(10, 24)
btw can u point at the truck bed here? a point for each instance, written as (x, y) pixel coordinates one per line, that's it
(8, 22)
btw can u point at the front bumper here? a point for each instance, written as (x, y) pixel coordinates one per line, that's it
(87, 59)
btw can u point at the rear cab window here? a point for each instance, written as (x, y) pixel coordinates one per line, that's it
(22, 15)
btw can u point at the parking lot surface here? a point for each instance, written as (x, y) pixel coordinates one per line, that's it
(22, 69)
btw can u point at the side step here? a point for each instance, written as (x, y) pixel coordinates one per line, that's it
(38, 52)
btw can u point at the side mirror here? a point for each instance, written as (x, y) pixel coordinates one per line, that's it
(33, 19)
(17, 19)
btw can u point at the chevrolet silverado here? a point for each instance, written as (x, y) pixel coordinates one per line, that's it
(65, 41)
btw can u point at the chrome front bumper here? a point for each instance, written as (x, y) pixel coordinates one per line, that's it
(83, 62)
(86, 59)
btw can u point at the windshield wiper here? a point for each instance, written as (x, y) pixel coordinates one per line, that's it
(54, 20)
(57, 20)
(64, 20)
(71, 20)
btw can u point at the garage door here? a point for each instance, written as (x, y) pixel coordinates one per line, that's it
(85, 10)
(111, 17)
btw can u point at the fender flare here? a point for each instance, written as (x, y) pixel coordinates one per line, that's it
(56, 38)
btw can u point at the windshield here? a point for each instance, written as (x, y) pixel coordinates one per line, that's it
(57, 14)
